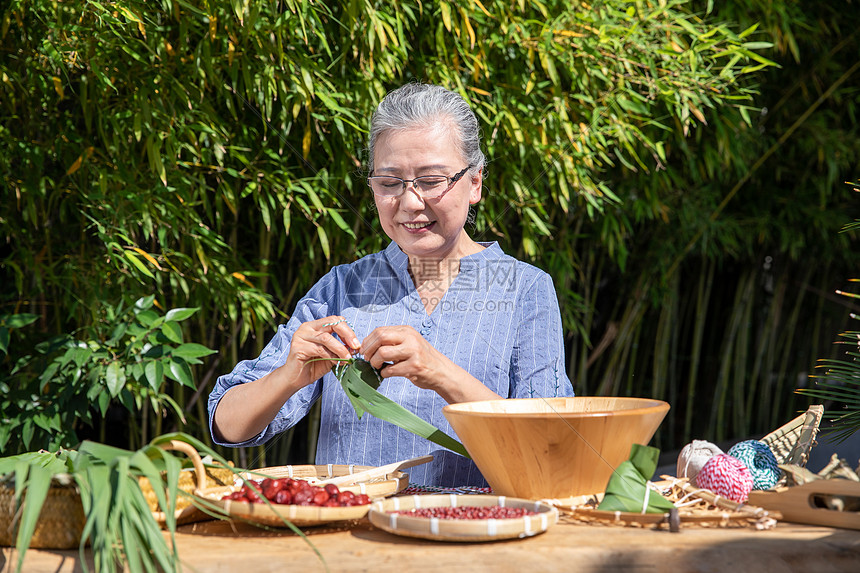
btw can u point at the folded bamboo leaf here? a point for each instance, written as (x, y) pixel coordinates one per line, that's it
(628, 488)
(360, 380)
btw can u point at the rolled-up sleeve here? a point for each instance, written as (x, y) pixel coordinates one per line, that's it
(273, 356)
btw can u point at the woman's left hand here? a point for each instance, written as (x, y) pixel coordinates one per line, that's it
(402, 351)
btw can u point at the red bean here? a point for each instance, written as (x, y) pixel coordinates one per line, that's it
(469, 512)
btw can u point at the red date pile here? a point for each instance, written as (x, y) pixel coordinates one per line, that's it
(289, 491)
(469, 512)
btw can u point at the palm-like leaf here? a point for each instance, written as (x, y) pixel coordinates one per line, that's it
(840, 382)
(120, 526)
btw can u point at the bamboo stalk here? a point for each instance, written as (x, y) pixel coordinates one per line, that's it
(703, 295)
(787, 345)
(742, 344)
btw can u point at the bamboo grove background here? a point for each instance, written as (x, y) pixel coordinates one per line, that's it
(678, 167)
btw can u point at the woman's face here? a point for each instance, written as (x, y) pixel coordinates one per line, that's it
(425, 228)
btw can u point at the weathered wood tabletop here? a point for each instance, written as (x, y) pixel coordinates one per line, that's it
(567, 546)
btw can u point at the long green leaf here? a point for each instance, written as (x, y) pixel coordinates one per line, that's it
(357, 379)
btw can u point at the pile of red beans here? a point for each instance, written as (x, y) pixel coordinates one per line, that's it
(468, 512)
(289, 491)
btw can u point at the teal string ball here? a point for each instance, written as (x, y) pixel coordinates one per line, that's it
(760, 460)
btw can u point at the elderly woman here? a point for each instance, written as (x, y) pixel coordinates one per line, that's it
(444, 318)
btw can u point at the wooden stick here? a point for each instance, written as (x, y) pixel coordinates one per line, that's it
(376, 472)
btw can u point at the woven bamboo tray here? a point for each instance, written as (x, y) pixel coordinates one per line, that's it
(276, 515)
(790, 443)
(304, 516)
(382, 515)
(60, 524)
(695, 507)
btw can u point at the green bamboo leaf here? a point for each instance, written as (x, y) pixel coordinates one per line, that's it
(38, 481)
(323, 242)
(132, 258)
(628, 490)
(357, 379)
(340, 222)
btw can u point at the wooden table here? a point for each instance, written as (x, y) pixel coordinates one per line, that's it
(567, 546)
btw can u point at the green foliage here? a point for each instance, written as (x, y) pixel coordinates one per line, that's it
(839, 381)
(120, 527)
(211, 154)
(129, 358)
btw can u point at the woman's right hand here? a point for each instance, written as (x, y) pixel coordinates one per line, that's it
(314, 350)
(246, 409)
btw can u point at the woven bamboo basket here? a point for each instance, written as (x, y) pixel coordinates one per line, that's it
(792, 442)
(198, 477)
(60, 523)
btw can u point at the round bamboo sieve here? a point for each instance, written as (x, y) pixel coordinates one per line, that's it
(385, 515)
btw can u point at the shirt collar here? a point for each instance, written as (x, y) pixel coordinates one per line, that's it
(492, 251)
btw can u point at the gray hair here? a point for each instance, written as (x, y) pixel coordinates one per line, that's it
(426, 105)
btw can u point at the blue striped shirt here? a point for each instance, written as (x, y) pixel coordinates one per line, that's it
(499, 320)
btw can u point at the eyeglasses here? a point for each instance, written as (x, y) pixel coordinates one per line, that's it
(427, 186)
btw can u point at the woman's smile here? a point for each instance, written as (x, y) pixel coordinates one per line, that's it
(417, 227)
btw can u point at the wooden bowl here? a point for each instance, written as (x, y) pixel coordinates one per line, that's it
(553, 448)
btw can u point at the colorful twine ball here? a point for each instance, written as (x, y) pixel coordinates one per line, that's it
(693, 456)
(726, 476)
(760, 461)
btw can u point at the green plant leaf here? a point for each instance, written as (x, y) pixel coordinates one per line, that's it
(172, 331)
(18, 320)
(154, 372)
(114, 378)
(181, 372)
(191, 350)
(179, 314)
